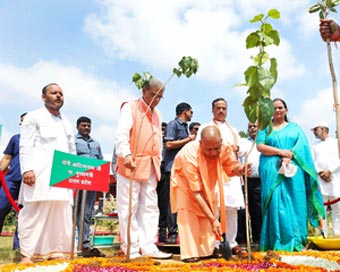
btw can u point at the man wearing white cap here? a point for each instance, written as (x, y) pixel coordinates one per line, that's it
(327, 164)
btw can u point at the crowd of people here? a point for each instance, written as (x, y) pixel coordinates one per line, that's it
(175, 179)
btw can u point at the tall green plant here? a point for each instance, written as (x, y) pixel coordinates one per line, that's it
(260, 79)
(262, 75)
(325, 7)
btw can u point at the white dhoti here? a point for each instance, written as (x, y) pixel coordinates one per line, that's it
(45, 230)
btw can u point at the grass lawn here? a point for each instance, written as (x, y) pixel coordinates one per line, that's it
(8, 255)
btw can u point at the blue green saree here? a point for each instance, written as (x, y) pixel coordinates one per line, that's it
(288, 203)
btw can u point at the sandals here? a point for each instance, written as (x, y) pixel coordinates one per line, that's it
(239, 252)
(191, 260)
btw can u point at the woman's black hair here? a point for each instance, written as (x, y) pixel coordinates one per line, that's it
(284, 104)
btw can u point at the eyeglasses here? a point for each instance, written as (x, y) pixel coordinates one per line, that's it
(156, 96)
(196, 128)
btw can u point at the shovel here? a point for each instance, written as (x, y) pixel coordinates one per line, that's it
(224, 246)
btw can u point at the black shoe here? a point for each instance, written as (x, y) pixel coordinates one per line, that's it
(92, 252)
(162, 235)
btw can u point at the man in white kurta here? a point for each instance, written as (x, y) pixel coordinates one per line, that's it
(45, 221)
(327, 163)
(138, 146)
(233, 195)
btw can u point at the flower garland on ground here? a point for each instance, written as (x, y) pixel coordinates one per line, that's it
(310, 261)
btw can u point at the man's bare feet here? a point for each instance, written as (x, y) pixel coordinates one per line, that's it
(26, 260)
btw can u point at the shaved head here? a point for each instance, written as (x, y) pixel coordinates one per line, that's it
(210, 132)
(211, 141)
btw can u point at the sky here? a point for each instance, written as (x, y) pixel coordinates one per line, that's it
(93, 48)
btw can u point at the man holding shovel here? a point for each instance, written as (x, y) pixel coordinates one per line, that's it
(194, 176)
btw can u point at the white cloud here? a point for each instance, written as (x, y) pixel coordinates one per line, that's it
(84, 95)
(159, 33)
(317, 109)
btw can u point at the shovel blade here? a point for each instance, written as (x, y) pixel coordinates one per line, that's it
(225, 248)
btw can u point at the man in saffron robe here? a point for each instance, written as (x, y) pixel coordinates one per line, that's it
(196, 170)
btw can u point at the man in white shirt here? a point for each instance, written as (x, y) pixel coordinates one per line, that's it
(327, 163)
(254, 188)
(233, 195)
(138, 145)
(45, 221)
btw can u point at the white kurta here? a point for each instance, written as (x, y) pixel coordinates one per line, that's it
(145, 212)
(45, 221)
(326, 157)
(41, 134)
(253, 158)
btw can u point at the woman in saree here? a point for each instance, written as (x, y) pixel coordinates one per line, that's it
(289, 199)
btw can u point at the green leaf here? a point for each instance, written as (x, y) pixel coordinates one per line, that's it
(188, 66)
(333, 10)
(266, 28)
(321, 15)
(177, 72)
(256, 90)
(329, 3)
(249, 101)
(250, 75)
(261, 58)
(136, 77)
(251, 111)
(273, 69)
(336, 3)
(141, 81)
(267, 110)
(267, 40)
(252, 40)
(257, 18)
(274, 13)
(266, 79)
(275, 35)
(314, 8)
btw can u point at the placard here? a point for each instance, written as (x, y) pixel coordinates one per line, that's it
(78, 172)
